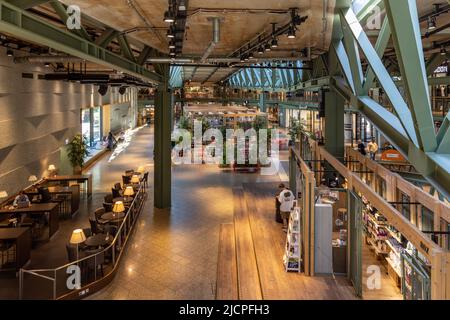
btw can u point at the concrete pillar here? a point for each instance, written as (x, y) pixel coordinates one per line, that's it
(334, 124)
(162, 151)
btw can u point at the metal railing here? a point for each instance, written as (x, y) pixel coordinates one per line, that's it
(76, 277)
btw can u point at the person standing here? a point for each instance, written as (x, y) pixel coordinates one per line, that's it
(278, 218)
(373, 149)
(362, 148)
(286, 199)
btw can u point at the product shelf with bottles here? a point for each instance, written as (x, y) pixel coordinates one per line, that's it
(292, 255)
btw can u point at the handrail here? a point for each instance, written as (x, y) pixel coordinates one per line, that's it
(138, 201)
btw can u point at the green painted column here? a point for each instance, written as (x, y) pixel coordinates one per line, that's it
(162, 151)
(262, 102)
(292, 173)
(334, 124)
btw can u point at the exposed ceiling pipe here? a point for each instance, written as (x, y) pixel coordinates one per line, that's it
(47, 59)
(168, 60)
(215, 41)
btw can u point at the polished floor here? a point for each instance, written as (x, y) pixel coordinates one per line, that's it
(173, 253)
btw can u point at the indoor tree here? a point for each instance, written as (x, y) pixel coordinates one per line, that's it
(78, 151)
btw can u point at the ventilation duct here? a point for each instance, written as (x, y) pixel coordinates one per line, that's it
(216, 38)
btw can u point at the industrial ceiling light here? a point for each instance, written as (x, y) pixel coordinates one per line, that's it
(260, 50)
(242, 58)
(170, 33)
(9, 53)
(246, 58)
(182, 5)
(274, 43)
(102, 89)
(291, 32)
(250, 55)
(172, 45)
(431, 23)
(122, 90)
(169, 15)
(443, 51)
(268, 47)
(47, 65)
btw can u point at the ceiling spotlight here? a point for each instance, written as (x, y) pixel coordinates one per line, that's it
(431, 23)
(268, 47)
(172, 53)
(250, 55)
(443, 51)
(260, 50)
(170, 33)
(274, 43)
(182, 5)
(102, 89)
(47, 65)
(246, 58)
(122, 90)
(9, 53)
(242, 59)
(291, 32)
(172, 45)
(169, 15)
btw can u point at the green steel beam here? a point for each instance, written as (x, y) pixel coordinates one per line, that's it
(61, 11)
(392, 92)
(24, 25)
(443, 137)
(352, 50)
(344, 63)
(368, 9)
(27, 4)
(107, 36)
(125, 47)
(380, 48)
(143, 56)
(404, 21)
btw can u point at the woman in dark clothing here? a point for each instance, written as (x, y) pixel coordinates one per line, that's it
(362, 148)
(111, 141)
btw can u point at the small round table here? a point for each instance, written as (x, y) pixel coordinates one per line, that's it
(113, 217)
(98, 240)
(126, 202)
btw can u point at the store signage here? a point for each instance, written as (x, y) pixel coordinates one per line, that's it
(441, 69)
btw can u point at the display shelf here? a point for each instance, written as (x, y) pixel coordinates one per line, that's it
(292, 256)
(393, 248)
(394, 267)
(375, 247)
(394, 235)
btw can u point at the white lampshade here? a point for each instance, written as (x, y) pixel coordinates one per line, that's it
(3, 194)
(51, 167)
(77, 237)
(141, 169)
(128, 191)
(32, 178)
(135, 179)
(118, 207)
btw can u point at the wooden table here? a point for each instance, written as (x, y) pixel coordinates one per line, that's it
(22, 240)
(84, 178)
(125, 202)
(98, 240)
(39, 209)
(113, 217)
(72, 191)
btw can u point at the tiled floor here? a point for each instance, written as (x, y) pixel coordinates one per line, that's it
(173, 253)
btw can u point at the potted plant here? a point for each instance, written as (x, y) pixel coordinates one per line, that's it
(78, 151)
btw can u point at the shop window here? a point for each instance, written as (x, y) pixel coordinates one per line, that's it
(406, 206)
(427, 219)
(86, 123)
(97, 125)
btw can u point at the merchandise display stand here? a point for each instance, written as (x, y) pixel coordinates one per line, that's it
(292, 256)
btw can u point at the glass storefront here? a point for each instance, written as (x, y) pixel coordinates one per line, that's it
(91, 125)
(86, 123)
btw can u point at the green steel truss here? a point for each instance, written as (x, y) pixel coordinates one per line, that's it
(24, 25)
(410, 128)
(268, 78)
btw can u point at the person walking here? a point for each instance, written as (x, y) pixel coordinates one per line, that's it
(362, 148)
(373, 149)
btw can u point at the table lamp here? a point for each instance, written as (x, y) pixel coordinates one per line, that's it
(51, 168)
(141, 169)
(3, 194)
(118, 207)
(77, 237)
(135, 179)
(128, 192)
(32, 179)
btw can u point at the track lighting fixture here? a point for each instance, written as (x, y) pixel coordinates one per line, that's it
(260, 50)
(170, 33)
(169, 15)
(250, 55)
(172, 45)
(9, 53)
(291, 32)
(47, 65)
(268, 47)
(274, 43)
(443, 51)
(431, 23)
(102, 89)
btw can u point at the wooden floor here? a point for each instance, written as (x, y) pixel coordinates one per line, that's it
(259, 250)
(227, 269)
